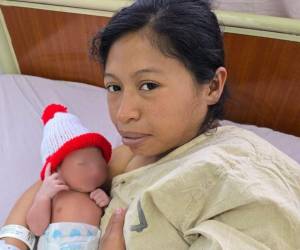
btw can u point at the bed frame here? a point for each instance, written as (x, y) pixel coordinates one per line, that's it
(51, 39)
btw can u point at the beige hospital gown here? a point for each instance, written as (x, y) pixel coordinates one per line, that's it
(227, 190)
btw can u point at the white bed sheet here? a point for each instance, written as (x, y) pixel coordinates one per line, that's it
(22, 99)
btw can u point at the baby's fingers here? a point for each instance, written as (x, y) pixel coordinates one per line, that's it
(59, 182)
(54, 176)
(102, 204)
(96, 193)
(48, 170)
(93, 194)
(62, 187)
(101, 199)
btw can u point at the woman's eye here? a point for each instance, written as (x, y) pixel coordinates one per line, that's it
(149, 86)
(113, 88)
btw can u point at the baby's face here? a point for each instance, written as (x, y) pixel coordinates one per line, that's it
(84, 170)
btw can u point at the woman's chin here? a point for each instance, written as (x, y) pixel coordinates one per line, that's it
(147, 151)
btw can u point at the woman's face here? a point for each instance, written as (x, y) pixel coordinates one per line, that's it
(153, 100)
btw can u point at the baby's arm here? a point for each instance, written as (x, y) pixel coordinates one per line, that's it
(39, 215)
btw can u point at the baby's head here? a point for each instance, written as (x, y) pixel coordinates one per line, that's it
(84, 169)
(80, 156)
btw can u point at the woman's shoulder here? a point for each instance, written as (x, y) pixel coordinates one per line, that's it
(230, 144)
(232, 137)
(121, 156)
(123, 160)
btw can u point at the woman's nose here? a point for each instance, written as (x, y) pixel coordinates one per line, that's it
(128, 109)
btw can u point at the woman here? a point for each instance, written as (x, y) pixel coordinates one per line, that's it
(185, 182)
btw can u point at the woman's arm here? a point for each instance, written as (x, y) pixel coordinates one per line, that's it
(18, 213)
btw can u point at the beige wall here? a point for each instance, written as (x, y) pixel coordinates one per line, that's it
(8, 63)
(282, 8)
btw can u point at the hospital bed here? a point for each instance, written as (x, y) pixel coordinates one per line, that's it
(44, 58)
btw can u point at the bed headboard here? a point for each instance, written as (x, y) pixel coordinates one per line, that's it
(262, 55)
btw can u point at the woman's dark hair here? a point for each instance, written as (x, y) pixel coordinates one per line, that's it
(183, 29)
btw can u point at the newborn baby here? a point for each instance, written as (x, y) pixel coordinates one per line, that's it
(67, 209)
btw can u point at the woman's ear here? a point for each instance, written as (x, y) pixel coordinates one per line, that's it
(216, 86)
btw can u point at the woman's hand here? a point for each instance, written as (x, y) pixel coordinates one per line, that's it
(113, 238)
(100, 197)
(52, 184)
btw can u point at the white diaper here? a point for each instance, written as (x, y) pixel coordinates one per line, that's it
(70, 236)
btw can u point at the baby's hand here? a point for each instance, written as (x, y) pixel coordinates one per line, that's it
(52, 184)
(100, 197)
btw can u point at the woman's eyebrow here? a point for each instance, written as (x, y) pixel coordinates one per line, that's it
(136, 73)
(147, 70)
(111, 75)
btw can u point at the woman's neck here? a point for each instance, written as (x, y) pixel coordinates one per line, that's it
(139, 161)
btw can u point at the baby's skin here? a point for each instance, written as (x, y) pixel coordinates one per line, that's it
(71, 194)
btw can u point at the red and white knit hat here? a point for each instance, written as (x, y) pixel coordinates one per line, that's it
(63, 133)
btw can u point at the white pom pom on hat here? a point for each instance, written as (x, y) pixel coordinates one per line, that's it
(63, 133)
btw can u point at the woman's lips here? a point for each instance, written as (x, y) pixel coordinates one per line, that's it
(132, 138)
